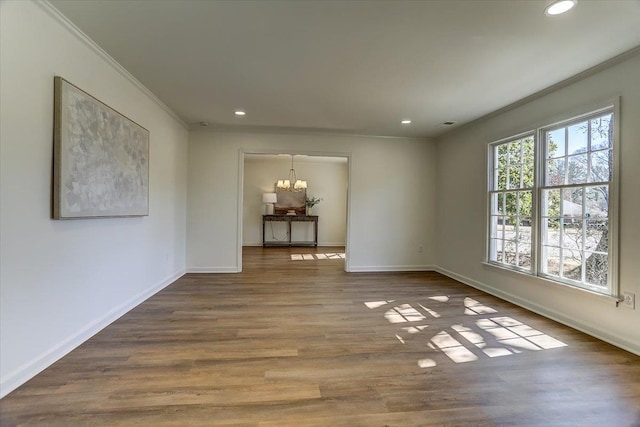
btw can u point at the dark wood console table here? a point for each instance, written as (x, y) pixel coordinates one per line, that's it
(290, 219)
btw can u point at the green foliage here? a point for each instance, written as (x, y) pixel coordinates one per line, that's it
(515, 171)
(311, 202)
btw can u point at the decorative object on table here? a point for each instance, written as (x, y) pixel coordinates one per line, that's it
(269, 199)
(290, 200)
(100, 158)
(311, 202)
(291, 212)
(293, 183)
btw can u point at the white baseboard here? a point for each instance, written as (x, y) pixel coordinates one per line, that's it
(33, 367)
(233, 269)
(383, 268)
(546, 312)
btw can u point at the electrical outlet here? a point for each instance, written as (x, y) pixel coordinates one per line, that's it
(629, 300)
(420, 248)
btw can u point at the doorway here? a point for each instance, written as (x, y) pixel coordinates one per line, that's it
(327, 176)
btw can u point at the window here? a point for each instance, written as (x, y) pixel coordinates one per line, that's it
(556, 223)
(511, 198)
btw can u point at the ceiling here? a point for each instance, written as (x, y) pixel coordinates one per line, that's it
(356, 67)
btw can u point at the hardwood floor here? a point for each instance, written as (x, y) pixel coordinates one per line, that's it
(302, 343)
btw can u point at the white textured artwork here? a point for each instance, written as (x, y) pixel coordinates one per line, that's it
(101, 158)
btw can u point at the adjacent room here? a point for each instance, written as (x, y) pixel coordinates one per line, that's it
(268, 189)
(319, 213)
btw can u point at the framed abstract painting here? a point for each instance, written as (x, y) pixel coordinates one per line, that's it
(100, 158)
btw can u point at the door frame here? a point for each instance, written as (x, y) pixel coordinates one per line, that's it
(241, 160)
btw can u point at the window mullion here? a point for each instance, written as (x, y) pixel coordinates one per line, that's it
(516, 226)
(507, 181)
(521, 184)
(588, 177)
(539, 156)
(559, 187)
(565, 158)
(549, 190)
(583, 277)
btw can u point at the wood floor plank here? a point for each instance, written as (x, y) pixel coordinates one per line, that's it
(302, 343)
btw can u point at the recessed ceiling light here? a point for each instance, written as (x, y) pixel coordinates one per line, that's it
(239, 113)
(560, 6)
(406, 122)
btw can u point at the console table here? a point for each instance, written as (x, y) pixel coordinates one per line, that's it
(290, 219)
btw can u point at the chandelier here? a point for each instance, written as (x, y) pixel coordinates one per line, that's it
(293, 183)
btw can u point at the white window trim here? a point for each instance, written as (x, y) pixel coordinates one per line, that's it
(491, 166)
(614, 211)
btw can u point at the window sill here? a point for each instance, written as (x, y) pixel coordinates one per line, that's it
(546, 281)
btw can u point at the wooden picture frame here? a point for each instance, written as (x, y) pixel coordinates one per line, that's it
(100, 158)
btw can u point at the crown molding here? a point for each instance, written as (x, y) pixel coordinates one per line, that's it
(73, 29)
(548, 90)
(287, 130)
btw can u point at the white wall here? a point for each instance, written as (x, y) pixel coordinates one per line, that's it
(462, 202)
(392, 193)
(325, 178)
(62, 281)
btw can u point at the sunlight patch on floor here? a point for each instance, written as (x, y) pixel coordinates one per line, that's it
(376, 304)
(483, 335)
(428, 310)
(473, 307)
(455, 350)
(311, 257)
(403, 313)
(426, 363)
(415, 329)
